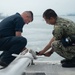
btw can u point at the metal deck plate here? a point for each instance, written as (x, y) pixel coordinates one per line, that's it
(49, 69)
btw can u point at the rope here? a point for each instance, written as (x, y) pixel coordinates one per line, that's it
(22, 56)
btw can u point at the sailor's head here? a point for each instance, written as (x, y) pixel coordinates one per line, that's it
(27, 16)
(50, 16)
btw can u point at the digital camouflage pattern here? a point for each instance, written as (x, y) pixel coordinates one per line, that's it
(63, 28)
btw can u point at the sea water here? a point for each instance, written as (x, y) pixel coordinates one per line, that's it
(38, 35)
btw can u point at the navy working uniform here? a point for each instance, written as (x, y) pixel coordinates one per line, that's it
(64, 29)
(9, 42)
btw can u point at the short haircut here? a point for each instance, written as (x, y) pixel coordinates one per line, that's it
(31, 14)
(49, 13)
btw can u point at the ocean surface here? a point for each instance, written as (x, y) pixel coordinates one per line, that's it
(38, 34)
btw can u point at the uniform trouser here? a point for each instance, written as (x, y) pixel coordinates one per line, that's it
(66, 52)
(10, 45)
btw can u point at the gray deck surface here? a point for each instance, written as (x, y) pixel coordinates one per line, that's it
(48, 69)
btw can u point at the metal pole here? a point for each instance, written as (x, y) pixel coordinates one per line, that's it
(18, 66)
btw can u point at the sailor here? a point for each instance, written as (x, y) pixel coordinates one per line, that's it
(11, 39)
(63, 40)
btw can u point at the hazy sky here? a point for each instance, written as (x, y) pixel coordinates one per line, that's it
(37, 6)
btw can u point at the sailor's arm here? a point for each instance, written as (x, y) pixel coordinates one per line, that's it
(47, 47)
(49, 53)
(18, 33)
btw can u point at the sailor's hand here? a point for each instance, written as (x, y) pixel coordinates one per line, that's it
(40, 53)
(48, 53)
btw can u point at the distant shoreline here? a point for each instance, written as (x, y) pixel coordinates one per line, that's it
(2, 16)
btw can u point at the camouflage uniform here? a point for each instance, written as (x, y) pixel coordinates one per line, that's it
(63, 27)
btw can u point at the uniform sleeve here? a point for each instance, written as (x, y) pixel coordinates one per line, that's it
(19, 24)
(58, 32)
